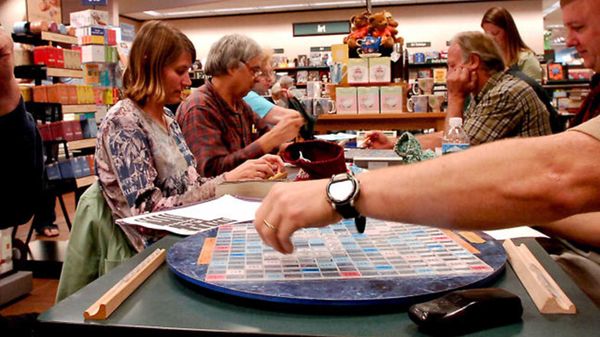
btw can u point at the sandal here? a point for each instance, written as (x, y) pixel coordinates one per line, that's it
(48, 231)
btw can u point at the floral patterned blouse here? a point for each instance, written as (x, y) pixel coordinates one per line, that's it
(143, 168)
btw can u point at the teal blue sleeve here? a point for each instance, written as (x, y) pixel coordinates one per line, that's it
(259, 104)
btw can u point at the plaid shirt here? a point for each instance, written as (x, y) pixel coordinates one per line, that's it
(505, 107)
(221, 138)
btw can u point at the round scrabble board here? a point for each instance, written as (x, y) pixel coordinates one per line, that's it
(390, 263)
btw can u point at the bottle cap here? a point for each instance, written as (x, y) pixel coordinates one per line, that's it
(455, 121)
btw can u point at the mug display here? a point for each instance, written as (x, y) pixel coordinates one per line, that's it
(418, 103)
(323, 106)
(436, 101)
(423, 86)
(419, 58)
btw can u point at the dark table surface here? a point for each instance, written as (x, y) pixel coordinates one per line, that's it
(166, 306)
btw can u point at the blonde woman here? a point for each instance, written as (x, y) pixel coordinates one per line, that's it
(499, 23)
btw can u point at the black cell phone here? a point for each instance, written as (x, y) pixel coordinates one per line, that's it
(465, 311)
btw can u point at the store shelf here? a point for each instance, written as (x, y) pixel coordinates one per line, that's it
(42, 40)
(82, 144)
(59, 38)
(85, 181)
(383, 121)
(59, 72)
(31, 72)
(428, 65)
(78, 108)
(567, 84)
(300, 68)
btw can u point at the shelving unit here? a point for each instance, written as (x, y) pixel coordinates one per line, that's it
(382, 121)
(293, 71)
(53, 112)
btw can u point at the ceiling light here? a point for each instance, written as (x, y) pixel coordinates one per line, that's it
(153, 13)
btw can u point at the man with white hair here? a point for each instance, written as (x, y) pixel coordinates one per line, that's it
(220, 129)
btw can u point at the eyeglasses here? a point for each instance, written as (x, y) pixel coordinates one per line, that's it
(256, 71)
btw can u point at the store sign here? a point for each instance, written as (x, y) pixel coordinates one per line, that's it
(278, 51)
(127, 32)
(93, 2)
(418, 44)
(318, 49)
(321, 28)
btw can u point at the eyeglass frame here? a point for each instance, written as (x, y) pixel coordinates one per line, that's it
(255, 72)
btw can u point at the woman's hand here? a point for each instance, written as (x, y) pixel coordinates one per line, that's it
(377, 140)
(261, 168)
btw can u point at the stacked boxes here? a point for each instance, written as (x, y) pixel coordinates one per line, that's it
(76, 167)
(54, 57)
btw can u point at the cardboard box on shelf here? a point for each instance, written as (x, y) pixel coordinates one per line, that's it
(89, 17)
(358, 71)
(368, 100)
(380, 70)
(345, 99)
(392, 99)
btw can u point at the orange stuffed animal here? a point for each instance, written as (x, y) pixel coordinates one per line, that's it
(392, 24)
(360, 29)
(379, 27)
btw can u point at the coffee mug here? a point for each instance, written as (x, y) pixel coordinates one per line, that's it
(418, 103)
(323, 106)
(436, 101)
(419, 58)
(423, 86)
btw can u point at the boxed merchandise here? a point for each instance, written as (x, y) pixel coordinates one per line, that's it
(93, 53)
(91, 73)
(339, 53)
(392, 99)
(380, 70)
(89, 128)
(358, 71)
(345, 100)
(90, 160)
(6, 258)
(40, 94)
(77, 170)
(92, 35)
(83, 164)
(89, 17)
(313, 89)
(301, 77)
(368, 100)
(53, 171)
(23, 57)
(439, 75)
(66, 169)
(76, 130)
(45, 132)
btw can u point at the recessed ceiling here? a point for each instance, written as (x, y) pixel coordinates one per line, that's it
(174, 9)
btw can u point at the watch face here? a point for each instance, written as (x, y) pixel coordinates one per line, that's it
(341, 191)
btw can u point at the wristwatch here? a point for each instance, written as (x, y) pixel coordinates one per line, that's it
(342, 191)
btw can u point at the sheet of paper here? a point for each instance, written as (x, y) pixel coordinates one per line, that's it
(336, 137)
(516, 232)
(193, 219)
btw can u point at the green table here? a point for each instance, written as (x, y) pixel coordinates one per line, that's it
(167, 306)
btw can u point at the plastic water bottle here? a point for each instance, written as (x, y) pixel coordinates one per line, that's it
(455, 139)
